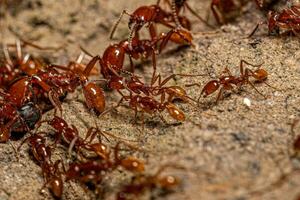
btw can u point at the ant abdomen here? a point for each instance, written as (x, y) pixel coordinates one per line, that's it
(175, 112)
(210, 87)
(260, 74)
(94, 96)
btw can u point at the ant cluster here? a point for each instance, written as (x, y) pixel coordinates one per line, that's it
(29, 83)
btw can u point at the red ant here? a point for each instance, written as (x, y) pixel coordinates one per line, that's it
(142, 182)
(226, 82)
(42, 154)
(113, 57)
(149, 105)
(70, 135)
(178, 5)
(20, 65)
(288, 20)
(147, 15)
(54, 179)
(90, 171)
(17, 111)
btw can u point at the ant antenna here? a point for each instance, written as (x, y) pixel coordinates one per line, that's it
(175, 15)
(117, 23)
(131, 35)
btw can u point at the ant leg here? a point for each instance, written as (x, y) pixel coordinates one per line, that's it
(198, 16)
(252, 85)
(132, 68)
(174, 75)
(55, 102)
(114, 107)
(15, 150)
(258, 65)
(256, 28)
(71, 146)
(227, 71)
(219, 18)
(220, 95)
(153, 79)
(90, 66)
(143, 121)
(152, 31)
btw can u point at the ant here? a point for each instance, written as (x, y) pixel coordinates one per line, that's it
(42, 154)
(142, 97)
(90, 171)
(178, 5)
(226, 82)
(19, 64)
(225, 10)
(69, 134)
(147, 104)
(112, 60)
(142, 182)
(147, 15)
(287, 20)
(70, 80)
(17, 112)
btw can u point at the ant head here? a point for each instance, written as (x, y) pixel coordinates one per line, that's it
(133, 164)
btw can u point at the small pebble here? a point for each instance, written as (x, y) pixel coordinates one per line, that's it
(247, 102)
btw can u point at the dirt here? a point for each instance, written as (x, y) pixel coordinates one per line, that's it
(229, 150)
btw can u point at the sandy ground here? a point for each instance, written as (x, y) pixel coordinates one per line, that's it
(229, 150)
